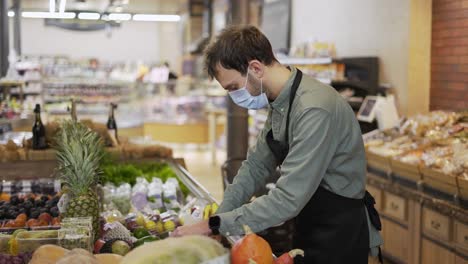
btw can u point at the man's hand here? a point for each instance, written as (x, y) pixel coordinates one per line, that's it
(201, 228)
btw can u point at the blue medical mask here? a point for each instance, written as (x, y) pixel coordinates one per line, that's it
(243, 98)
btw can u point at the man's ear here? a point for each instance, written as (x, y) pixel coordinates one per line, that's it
(257, 68)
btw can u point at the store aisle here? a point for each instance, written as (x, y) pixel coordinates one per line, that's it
(200, 166)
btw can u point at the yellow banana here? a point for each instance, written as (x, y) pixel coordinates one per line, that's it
(206, 212)
(214, 208)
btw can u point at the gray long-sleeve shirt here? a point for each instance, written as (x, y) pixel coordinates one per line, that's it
(325, 149)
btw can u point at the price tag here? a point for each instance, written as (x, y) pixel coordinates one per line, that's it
(26, 186)
(7, 186)
(57, 186)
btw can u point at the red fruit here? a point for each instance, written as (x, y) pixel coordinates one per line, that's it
(251, 248)
(56, 221)
(32, 222)
(46, 217)
(22, 217)
(98, 245)
(10, 223)
(288, 258)
(43, 223)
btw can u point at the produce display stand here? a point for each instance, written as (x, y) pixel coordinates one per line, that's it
(46, 169)
(31, 170)
(418, 175)
(430, 181)
(424, 214)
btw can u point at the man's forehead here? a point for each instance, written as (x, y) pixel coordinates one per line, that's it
(226, 76)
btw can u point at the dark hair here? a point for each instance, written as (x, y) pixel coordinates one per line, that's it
(235, 46)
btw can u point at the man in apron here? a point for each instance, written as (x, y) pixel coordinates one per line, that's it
(313, 135)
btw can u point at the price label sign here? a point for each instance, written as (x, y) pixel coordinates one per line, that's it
(57, 186)
(26, 186)
(7, 186)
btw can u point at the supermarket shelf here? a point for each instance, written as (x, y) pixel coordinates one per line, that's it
(17, 122)
(85, 81)
(305, 61)
(97, 112)
(84, 102)
(25, 93)
(10, 83)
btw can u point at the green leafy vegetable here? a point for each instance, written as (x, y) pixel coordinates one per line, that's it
(119, 173)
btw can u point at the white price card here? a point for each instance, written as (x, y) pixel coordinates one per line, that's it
(57, 186)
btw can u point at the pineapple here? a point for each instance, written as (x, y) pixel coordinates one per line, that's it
(79, 152)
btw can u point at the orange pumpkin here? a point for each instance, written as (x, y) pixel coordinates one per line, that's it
(251, 249)
(4, 197)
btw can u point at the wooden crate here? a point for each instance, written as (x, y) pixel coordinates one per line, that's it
(440, 181)
(460, 235)
(405, 170)
(462, 187)
(396, 207)
(432, 253)
(396, 241)
(36, 155)
(378, 162)
(27, 170)
(437, 225)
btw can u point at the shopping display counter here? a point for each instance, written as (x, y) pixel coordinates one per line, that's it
(42, 174)
(418, 177)
(417, 226)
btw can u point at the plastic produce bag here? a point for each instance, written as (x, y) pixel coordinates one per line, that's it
(172, 194)
(192, 212)
(120, 197)
(139, 194)
(108, 191)
(155, 194)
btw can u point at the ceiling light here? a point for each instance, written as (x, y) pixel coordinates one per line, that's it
(11, 13)
(65, 15)
(157, 18)
(120, 16)
(89, 16)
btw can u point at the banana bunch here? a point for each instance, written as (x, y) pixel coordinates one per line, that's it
(209, 210)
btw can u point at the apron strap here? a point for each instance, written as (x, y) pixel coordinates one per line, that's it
(279, 150)
(374, 216)
(292, 95)
(380, 256)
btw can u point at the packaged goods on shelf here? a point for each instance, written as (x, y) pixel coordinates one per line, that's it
(419, 132)
(431, 148)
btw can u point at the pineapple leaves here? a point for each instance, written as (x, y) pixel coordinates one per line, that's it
(79, 152)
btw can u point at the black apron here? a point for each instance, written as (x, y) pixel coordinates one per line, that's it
(331, 229)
